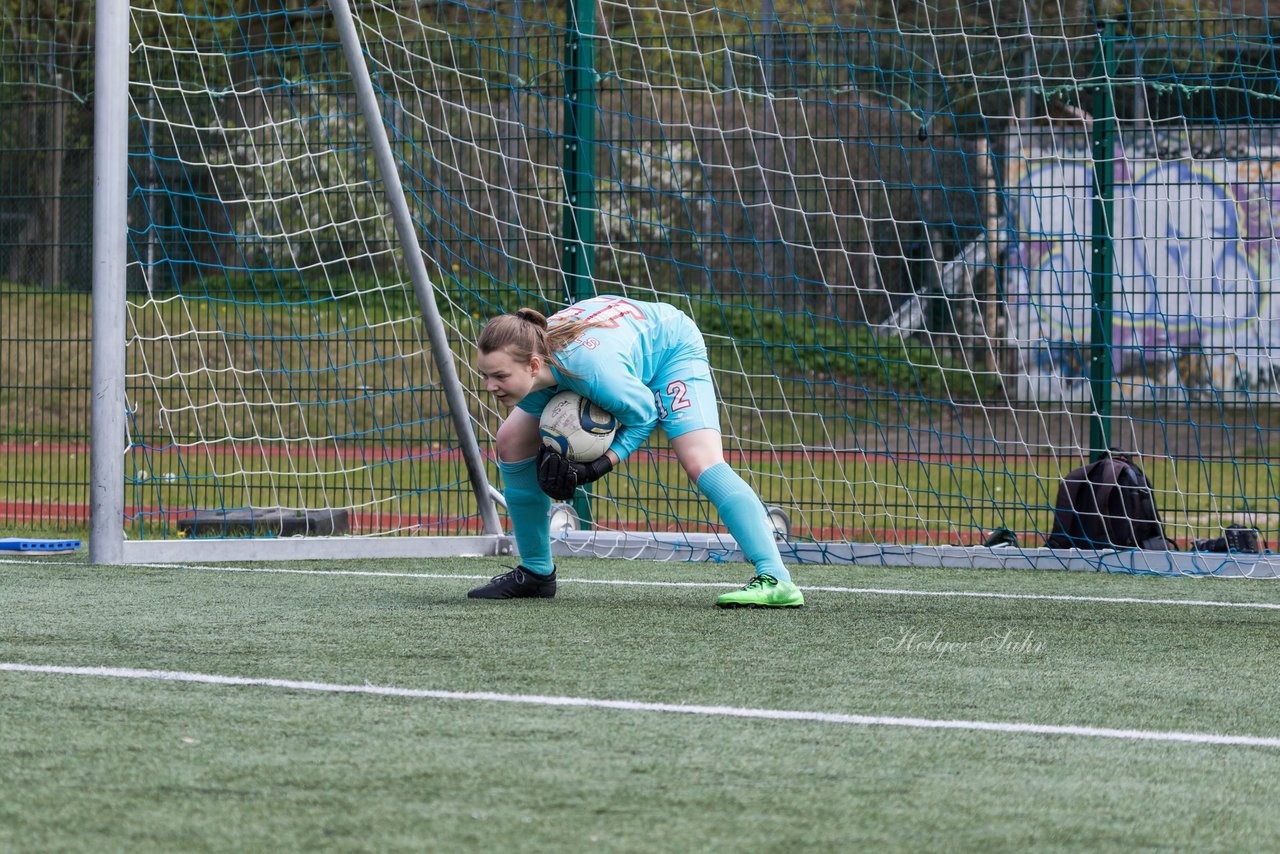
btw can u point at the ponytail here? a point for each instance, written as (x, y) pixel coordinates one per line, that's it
(529, 315)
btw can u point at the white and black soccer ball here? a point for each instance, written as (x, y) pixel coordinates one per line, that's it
(576, 427)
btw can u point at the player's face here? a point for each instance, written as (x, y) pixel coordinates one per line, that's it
(506, 378)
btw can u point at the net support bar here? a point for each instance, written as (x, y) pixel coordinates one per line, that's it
(422, 287)
(313, 548)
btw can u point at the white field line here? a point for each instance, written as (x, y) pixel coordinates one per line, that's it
(638, 706)
(623, 582)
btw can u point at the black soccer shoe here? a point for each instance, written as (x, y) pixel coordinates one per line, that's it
(519, 583)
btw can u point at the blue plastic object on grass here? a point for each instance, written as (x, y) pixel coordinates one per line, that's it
(25, 544)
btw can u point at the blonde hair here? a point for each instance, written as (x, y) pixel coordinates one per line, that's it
(526, 334)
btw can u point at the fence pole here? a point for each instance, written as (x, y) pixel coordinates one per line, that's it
(579, 226)
(579, 223)
(1102, 268)
(57, 150)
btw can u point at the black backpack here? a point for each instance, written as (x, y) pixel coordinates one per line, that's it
(1107, 504)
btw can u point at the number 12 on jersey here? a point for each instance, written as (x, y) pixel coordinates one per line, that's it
(675, 399)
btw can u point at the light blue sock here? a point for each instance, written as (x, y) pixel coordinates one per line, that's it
(528, 508)
(743, 514)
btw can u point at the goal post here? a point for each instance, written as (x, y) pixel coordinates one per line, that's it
(253, 529)
(111, 157)
(931, 281)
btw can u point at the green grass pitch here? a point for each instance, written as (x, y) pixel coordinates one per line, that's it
(472, 756)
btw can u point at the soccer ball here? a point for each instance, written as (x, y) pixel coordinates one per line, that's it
(576, 427)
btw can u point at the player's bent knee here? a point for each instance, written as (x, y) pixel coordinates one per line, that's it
(695, 469)
(517, 438)
(698, 451)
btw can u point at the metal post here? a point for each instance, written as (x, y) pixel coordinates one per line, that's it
(57, 150)
(512, 233)
(579, 225)
(153, 207)
(990, 299)
(422, 288)
(110, 206)
(767, 216)
(1102, 268)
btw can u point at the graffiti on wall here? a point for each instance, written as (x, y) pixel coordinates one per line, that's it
(1196, 285)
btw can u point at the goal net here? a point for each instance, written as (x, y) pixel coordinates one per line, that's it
(940, 260)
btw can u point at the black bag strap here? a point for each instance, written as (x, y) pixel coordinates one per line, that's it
(1104, 480)
(1066, 514)
(1152, 534)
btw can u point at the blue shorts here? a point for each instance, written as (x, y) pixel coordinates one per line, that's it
(686, 399)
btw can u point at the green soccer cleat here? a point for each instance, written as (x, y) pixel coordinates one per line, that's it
(763, 591)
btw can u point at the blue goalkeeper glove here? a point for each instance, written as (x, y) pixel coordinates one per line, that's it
(560, 476)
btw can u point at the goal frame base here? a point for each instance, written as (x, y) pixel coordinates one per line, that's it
(313, 548)
(696, 548)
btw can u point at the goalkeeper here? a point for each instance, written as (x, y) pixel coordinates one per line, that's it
(646, 364)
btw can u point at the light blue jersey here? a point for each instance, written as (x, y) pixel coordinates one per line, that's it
(644, 362)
